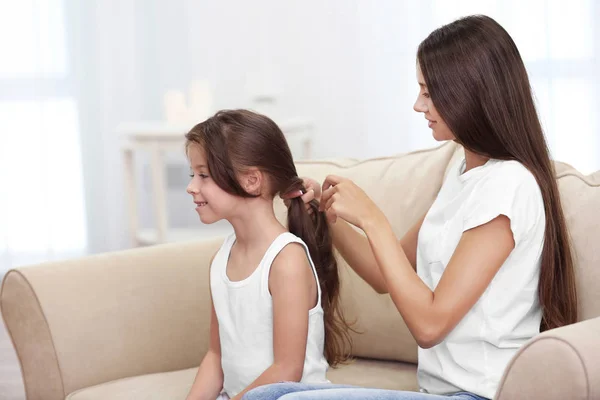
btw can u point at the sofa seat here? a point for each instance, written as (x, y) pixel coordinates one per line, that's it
(176, 384)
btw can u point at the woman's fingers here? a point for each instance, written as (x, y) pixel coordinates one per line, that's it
(306, 199)
(327, 193)
(330, 181)
(311, 184)
(330, 202)
(291, 195)
(331, 216)
(313, 192)
(308, 196)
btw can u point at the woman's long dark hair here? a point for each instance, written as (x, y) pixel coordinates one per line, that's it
(478, 84)
(238, 139)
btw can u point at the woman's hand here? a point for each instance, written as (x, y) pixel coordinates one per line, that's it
(342, 198)
(313, 192)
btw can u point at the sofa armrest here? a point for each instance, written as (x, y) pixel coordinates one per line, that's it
(91, 320)
(561, 363)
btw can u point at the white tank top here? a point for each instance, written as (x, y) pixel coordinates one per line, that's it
(245, 313)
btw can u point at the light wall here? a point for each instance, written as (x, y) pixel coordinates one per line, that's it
(347, 65)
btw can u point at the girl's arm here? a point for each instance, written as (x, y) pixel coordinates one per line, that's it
(429, 315)
(209, 379)
(293, 289)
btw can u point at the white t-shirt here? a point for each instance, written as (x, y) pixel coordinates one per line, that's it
(476, 352)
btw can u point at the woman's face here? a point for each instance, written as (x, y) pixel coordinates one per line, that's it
(441, 131)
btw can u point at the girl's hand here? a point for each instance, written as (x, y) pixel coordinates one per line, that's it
(313, 192)
(344, 199)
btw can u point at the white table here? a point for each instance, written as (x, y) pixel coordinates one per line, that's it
(159, 137)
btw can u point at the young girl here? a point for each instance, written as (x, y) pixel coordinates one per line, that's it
(489, 265)
(275, 309)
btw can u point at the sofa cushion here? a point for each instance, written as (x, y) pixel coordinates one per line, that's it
(376, 374)
(162, 386)
(176, 385)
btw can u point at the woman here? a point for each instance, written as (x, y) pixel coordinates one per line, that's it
(489, 265)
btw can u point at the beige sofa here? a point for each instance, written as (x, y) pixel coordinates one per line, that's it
(133, 324)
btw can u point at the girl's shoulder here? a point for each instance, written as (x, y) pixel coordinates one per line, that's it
(290, 247)
(289, 244)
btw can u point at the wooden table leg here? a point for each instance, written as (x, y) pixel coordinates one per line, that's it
(160, 195)
(130, 191)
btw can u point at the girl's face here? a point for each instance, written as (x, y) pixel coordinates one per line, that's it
(212, 203)
(441, 131)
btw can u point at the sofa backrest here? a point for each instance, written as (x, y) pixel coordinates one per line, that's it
(86, 321)
(580, 197)
(404, 187)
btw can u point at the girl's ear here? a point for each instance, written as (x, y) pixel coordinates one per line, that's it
(252, 181)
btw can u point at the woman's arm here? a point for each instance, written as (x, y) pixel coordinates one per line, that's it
(356, 250)
(429, 315)
(294, 292)
(354, 247)
(209, 379)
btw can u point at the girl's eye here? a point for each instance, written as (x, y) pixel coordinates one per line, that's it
(202, 176)
(426, 95)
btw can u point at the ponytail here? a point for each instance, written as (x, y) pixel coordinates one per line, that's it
(313, 229)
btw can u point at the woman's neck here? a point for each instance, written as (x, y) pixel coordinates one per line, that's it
(473, 160)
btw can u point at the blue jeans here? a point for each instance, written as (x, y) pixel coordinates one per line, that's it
(300, 391)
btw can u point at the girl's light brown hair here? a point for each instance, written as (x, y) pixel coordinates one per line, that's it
(237, 139)
(479, 85)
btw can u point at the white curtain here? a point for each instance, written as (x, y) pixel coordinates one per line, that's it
(73, 70)
(558, 40)
(560, 43)
(41, 187)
